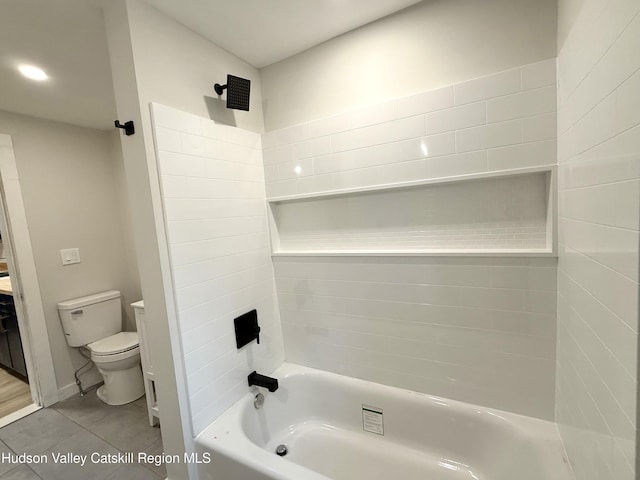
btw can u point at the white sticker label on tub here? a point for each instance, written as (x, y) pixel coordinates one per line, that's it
(372, 420)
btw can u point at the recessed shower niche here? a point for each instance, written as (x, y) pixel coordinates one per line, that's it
(490, 214)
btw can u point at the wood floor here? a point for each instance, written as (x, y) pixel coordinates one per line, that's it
(14, 393)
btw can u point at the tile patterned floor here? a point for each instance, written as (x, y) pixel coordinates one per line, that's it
(82, 425)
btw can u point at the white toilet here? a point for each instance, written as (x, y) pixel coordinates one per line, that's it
(95, 322)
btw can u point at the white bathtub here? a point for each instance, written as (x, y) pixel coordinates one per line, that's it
(319, 417)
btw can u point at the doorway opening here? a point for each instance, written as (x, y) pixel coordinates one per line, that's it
(27, 380)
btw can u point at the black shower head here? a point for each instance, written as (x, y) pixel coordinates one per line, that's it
(238, 90)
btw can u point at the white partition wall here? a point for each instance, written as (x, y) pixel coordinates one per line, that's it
(214, 206)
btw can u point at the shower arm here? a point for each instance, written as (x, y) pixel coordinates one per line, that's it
(219, 88)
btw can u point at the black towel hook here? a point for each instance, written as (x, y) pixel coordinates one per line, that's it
(127, 127)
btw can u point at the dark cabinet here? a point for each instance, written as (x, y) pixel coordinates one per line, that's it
(11, 354)
(15, 346)
(5, 353)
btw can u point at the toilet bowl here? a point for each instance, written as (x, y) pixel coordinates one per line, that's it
(94, 323)
(118, 360)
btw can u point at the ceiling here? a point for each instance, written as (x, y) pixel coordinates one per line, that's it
(262, 32)
(67, 39)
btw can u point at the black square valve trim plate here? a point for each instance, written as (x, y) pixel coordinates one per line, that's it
(247, 328)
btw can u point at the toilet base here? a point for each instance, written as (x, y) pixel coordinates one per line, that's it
(121, 386)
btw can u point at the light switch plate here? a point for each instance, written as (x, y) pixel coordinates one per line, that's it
(70, 256)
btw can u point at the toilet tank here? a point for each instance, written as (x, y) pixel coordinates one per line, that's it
(91, 318)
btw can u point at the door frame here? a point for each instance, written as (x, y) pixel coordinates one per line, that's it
(24, 281)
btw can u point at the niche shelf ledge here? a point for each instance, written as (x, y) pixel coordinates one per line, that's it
(416, 253)
(506, 213)
(551, 169)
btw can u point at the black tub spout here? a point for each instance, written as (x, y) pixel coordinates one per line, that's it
(263, 381)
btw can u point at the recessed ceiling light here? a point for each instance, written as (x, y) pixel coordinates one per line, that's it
(32, 72)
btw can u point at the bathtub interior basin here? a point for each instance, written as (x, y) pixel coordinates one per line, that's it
(341, 428)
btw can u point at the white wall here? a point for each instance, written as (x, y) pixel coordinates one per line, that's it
(480, 330)
(154, 58)
(70, 178)
(178, 68)
(599, 157)
(502, 121)
(213, 195)
(507, 213)
(149, 245)
(408, 78)
(477, 330)
(127, 248)
(430, 45)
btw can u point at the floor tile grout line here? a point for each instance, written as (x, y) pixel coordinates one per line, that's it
(18, 466)
(66, 418)
(14, 452)
(95, 434)
(86, 429)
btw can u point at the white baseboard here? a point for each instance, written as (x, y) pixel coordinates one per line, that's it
(70, 390)
(67, 391)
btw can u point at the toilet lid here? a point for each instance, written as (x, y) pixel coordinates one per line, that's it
(120, 342)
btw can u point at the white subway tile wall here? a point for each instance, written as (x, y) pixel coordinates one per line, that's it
(481, 330)
(499, 122)
(599, 182)
(508, 213)
(214, 200)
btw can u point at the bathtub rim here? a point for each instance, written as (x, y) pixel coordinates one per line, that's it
(257, 457)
